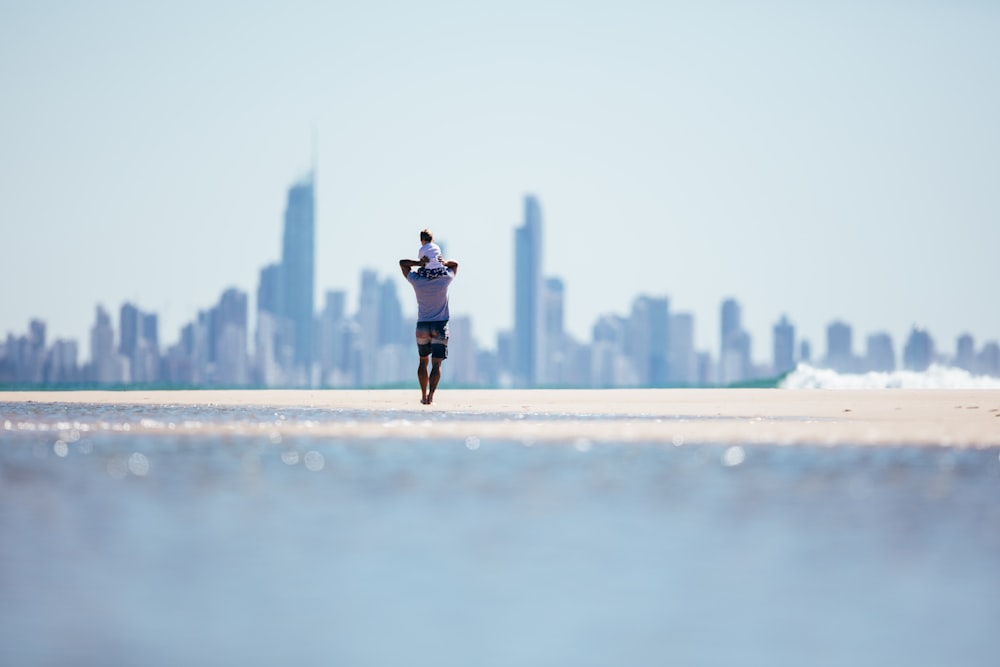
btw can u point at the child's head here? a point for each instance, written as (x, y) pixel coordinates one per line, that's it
(426, 236)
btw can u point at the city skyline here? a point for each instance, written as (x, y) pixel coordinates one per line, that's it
(286, 296)
(832, 162)
(295, 345)
(285, 289)
(650, 347)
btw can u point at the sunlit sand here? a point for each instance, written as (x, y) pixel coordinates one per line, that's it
(678, 416)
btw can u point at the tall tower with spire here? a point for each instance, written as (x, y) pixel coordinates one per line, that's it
(298, 253)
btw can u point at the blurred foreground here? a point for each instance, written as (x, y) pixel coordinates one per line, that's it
(215, 545)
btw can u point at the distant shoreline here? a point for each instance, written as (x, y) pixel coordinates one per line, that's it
(959, 417)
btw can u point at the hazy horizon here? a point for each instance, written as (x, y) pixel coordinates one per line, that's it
(820, 162)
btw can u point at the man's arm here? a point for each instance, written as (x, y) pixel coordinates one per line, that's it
(452, 266)
(406, 264)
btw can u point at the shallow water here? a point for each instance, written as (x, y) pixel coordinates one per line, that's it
(218, 547)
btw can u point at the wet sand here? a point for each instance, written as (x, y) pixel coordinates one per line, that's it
(678, 416)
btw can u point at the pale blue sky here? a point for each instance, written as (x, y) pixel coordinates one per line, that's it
(824, 160)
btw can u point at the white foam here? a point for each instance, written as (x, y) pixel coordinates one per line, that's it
(935, 377)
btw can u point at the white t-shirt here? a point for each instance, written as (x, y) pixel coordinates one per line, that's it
(433, 254)
(432, 296)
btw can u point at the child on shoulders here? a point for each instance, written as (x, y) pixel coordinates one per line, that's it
(431, 261)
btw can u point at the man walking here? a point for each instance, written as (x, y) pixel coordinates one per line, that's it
(432, 322)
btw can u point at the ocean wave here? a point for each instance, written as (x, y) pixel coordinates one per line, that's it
(935, 377)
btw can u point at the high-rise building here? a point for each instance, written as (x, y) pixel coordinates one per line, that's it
(805, 351)
(553, 307)
(128, 324)
(8, 366)
(274, 354)
(392, 365)
(965, 353)
(106, 365)
(527, 295)
(230, 338)
(735, 364)
(368, 321)
(879, 354)
(390, 315)
(138, 344)
(734, 354)
(706, 369)
(647, 342)
(462, 352)
(609, 367)
(297, 270)
(62, 367)
(487, 372)
(659, 341)
(554, 354)
(32, 354)
(330, 338)
(989, 359)
(918, 354)
(839, 349)
(730, 323)
(505, 358)
(784, 346)
(150, 328)
(270, 292)
(682, 362)
(273, 350)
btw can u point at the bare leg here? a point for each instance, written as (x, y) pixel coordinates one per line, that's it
(435, 377)
(422, 377)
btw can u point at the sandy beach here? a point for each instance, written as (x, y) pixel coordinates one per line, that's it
(678, 416)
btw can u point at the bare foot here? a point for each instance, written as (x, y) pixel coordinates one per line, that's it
(424, 401)
(430, 398)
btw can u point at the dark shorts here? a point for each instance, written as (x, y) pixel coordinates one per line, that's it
(432, 339)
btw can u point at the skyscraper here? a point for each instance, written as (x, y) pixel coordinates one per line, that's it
(734, 355)
(34, 352)
(330, 323)
(462, 352)
(106, 365)
(784, 346)
(730, 324)
(879, 355)
(390, 315)
(553, 304)
(228, 338)
(609, 367)
(367, 318)
(989, 359)
(839, 348)
(659, 341)
(681, 358)
(275, 337)
(918, 354)
(138, 344)
(270, 292)
(150, 328)
(297, 269)
(647, 340)
(62, 366)
(965, 352)
(393, 364)
(128, 323)
(527, 293)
